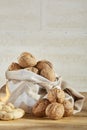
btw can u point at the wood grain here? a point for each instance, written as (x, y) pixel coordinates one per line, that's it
(78, 121)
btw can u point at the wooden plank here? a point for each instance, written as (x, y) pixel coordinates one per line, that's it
(68, 123)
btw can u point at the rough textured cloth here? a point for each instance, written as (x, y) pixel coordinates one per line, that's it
(27, 88)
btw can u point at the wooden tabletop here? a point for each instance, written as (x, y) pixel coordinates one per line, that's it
(77, 122)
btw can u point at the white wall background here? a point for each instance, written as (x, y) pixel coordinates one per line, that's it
(55, 30)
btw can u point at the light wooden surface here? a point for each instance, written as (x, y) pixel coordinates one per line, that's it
(77, 122)
(50, 29)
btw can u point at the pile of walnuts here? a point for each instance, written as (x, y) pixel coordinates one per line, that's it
(54, 106)
(28, 61)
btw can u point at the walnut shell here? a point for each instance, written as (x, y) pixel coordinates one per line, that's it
(48, 73)
(46, 70)
(39, 108)
(26, 60)
(43, 64)
(55, 110)
(56, 95)
(68, 107)
(33, 69)
(14, 66)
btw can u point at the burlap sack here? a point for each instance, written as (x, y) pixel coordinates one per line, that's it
(27, 88)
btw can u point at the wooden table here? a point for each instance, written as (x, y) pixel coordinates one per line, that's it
(77, 122)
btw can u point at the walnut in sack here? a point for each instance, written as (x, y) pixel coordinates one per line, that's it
(56, 95)
(14, 66)
(39, 108)
(33, 69)
(55, 110)
(43, 64)
(27, 60)
(46, 70)
(48, 73)
(68, 107)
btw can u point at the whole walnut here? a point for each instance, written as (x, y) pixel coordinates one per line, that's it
(14, 66)
(33, 69)
(48, 73)
(43, 64)
(46, 70)
(27, 60)
(39, 108)
(55, 110)
(56, 95)
(68, 107)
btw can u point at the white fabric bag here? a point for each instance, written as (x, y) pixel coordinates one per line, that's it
(27, 88)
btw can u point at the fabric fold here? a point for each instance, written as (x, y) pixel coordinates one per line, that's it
(24, 83)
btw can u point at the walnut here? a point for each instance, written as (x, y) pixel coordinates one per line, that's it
(43, 64)
(48, 73)
(56, 95)
(14, 66)
(68, 108)
(39, 108)
(46, 70)
(55, 110)
(26, 60)
(33, 69)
